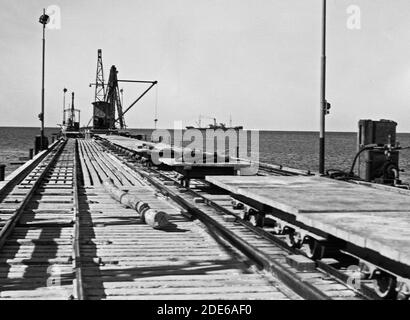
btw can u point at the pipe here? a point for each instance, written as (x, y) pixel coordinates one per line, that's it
(368, 147)
(156, 219)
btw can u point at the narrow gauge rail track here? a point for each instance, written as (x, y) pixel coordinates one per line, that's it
(267, 251)
(38, 237)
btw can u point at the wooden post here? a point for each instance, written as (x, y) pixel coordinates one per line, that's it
(30, 153)
(156, 219)
(37, 144)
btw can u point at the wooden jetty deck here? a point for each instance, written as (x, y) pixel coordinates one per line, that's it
(138, 262)
(378, 220)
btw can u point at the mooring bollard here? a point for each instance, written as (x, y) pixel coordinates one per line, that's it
(2, 172)
(30, 153)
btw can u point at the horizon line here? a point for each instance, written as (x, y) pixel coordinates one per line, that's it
(250, 129)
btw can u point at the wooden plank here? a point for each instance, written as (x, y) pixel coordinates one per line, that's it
(233, 184)
(107, 169)
(201, 296)
(137, 181)
(94, 176)
(313, 194)
(95, 160)
(174, 163)
(84, 168)
(188, 290)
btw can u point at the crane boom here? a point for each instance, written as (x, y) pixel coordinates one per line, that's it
(112, 96)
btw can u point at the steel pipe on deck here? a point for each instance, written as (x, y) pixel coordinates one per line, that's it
(155, 219)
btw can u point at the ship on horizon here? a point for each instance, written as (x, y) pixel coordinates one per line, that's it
(215, 125)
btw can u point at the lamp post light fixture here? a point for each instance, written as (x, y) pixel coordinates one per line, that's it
(44, 19)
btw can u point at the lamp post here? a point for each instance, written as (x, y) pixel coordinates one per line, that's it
(44, 19)
(323, 102)
(65, 91)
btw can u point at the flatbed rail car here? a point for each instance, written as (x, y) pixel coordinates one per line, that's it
(369, 223)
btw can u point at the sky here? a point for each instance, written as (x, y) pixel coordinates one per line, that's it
(256, 60)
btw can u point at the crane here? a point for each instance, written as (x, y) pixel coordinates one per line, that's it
(108, 98)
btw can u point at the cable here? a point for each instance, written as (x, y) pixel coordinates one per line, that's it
(368, 147)
(156, 108)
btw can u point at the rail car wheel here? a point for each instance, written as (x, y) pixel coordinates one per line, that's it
(257, 219)
(278, 229)
(385, 285)
(246, 216)
(291, 237)
(313, 248)
(404, 292)
(237, 205)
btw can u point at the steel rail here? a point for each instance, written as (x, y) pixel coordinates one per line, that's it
(24, 173)
(78, 281)
(9, 226)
